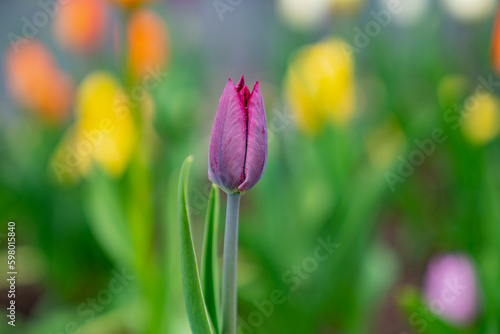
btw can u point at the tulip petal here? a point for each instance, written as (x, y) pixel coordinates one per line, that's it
(244, 95)
(240, 83)
(256, 153)
(243, 91)
(228, 141)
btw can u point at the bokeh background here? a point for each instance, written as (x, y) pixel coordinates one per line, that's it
(383, 122)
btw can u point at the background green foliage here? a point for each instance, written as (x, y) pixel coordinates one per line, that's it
(72, 239)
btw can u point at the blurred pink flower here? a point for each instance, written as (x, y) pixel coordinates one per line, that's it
(451, 288)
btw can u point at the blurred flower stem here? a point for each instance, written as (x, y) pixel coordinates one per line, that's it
(229, 265)
(138, 187)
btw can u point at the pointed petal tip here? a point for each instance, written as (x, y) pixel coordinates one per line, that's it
(241, 83)
(255, 92)
(256, 87)
(230, 89)
(244, 95)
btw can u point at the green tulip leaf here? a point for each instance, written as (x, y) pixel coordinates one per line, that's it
(489, 267)
(209, 267)
(106, 218)
(421, 319)
(193, 295)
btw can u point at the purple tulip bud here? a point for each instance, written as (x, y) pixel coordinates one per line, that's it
(238, 145)
(450, 288)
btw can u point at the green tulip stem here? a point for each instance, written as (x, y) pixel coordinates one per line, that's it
(229, 265)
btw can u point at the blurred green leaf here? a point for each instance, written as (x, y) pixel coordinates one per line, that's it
(171, 277)
(176, 111)
(209, 267)
(106, 218)
(422, 319)
(193, 295)
(488, 259)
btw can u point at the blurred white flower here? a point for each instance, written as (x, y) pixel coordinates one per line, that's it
(470, 10)
(411, 11)
(302, 14)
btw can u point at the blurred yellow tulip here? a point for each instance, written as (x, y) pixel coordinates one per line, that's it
(27, 72)
(347, 6)
(319, 85)
(481, 120)
(80, 25)
(148, 43)
(104, 132)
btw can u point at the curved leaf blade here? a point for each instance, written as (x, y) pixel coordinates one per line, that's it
(209, 264)
(193, 295)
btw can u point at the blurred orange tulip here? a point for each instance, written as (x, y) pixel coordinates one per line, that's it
(130, 3)
(80, 24)
(35, 82)
(148, 43)
(495, 44)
